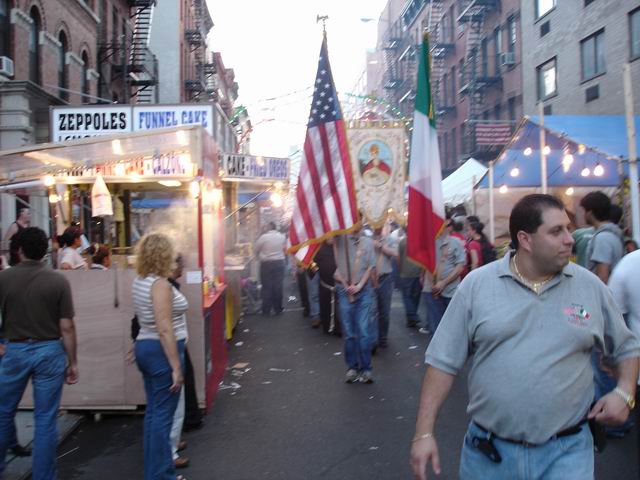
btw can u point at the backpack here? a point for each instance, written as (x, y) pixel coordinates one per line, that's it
(488, 252)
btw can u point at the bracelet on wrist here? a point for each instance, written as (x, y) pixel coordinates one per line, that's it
(424, 436)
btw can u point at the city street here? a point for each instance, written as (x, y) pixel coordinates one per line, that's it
(291, 416)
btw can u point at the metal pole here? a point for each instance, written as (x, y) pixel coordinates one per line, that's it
(492, 226)
(633, 163)
(543, 157)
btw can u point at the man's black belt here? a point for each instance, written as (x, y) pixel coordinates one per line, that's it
(562, 433)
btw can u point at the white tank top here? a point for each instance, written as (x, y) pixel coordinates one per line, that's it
(144, 309)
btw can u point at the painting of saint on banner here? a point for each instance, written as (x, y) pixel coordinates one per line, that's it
(378, 161)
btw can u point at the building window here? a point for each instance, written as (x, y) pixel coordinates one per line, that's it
(544, 6)
(453, 85)
(497, 112)
(5, 28)
(461, 73)
(62, 67)
(84, 81)
(547, 79)
(634, 30)
(445, 83)
(592, 53)
(454, 148)
(513, 34)
(512, 109)
(588, 2)
(452, 24)
(483, 59)
(34, 46)
(445, 148)
(497, 40)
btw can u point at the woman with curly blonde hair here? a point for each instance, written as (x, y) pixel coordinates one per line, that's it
(159, 349)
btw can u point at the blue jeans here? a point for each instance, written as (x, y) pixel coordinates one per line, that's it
(383, 300)
(161, 406)
(411, 297)
(313, 287)
(435, 310)
(44, 362)
(13, 435)
(355, 327)
(569, 457)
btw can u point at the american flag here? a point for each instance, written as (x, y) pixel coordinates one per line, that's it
(326, 200)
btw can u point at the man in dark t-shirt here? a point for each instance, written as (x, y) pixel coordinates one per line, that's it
(37, 313)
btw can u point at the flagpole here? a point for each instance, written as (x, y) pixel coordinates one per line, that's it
(633, 160)
(543, 157)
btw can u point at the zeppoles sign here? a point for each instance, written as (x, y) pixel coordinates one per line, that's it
(69, 123)
(248, 167)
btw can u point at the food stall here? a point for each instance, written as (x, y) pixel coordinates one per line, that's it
(163, 181)
(252, 189)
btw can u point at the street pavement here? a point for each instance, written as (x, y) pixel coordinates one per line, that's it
(287, 414)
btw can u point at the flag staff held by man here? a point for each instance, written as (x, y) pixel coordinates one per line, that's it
(326, 207)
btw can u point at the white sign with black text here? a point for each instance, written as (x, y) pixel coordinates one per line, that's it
(248, 167)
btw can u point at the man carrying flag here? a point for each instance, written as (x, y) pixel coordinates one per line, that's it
(326, 207)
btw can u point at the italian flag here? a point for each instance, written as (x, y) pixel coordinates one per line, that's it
(426, 206)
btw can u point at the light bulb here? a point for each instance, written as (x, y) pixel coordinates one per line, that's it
(569, 191)
(170, 183)
(116, 147)
(546, 150)
(194, 189)
(276, 200)
(567, 161)
(54, 198)
(49, 181)
(598, 171)
(528, 151)
(503, 189)
(119, 170)
(585, 172)
(581, 149)
(515, 171)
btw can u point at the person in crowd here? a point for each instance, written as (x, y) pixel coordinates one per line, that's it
(159, 349)
(313, 287)
(69, 258)
(473, 247)
(14, 446)
(456, 227)
(270, 248)
(355, 260)
(528, 322)
(605, 248)
(410, 274)
(303, 287)
(604, 251)
(450, 263)
(100, 257)
(623, 283)
(385, 250)
(22, 222)
(329, 311)
(628, 243)
(37, 313)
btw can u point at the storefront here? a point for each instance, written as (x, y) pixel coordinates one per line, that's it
(161, 180)
(253, 190)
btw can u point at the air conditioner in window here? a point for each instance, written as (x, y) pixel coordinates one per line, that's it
(6, 66)
(507, 58)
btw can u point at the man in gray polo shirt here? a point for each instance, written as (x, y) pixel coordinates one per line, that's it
(528, 323)
(270, 249)
(355, 260)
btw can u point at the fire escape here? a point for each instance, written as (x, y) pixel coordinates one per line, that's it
(477, 74)
(201, 83)
(391, 44)
(142, 69)
(441, 47)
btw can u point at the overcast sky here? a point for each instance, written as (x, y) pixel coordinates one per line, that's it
(273, 47)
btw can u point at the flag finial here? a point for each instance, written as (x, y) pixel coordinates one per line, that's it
(323, 19)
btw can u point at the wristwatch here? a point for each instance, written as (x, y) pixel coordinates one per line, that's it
(627, 397)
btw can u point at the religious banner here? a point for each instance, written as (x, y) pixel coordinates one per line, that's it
(378, 157)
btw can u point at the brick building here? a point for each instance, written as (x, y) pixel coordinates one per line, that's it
(476, 67)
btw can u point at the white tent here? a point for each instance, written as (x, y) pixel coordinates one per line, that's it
(457, 188)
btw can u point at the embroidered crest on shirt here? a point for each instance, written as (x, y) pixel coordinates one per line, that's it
(577, 315)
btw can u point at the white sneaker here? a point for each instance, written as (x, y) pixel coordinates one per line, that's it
(424, 331)
(352, 376)
(366, 377)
